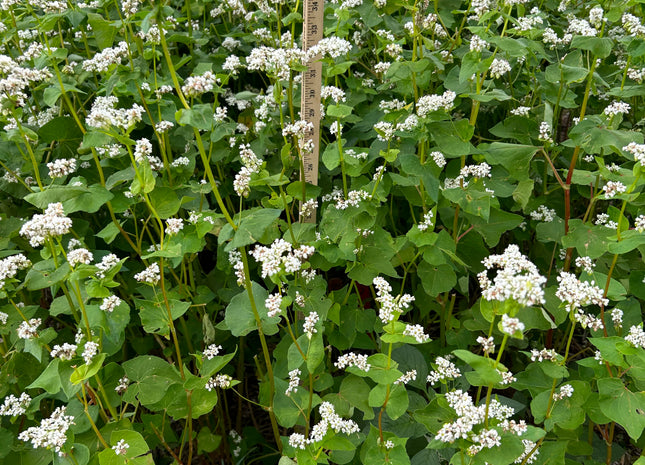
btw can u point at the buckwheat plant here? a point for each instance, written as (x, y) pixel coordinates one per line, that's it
(463, 283)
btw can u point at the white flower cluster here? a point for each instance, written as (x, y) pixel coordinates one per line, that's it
(329, 47)
(41, 227)
(51, 433)
(545, 132)
(121, 447)
(438, 158)
(354, 198)
(3, 318)
(407, 377)
(476, 171)
(252, 165)
(639, 224)
(470, 416)
(212, 351)
(107, 263)
(636, 337)
(89, 351)
(79, 256)
(28, 329)
(330, 419)
(294, 381)
(544, 354)
(150, 275)
(14, 406)
(416, 331)
(335, 93)
(499, 67)
(65, 352)
(104, 114)
(390, 306)
(543, 213)
(477, 44)
(427, 221)
(566, 390)
(61, 167)
(220, 381)
(275, 61)
(487, 343)
(614, 187)
(521, 111)
(603, 219)
(510, 325)
(100, 62)
(636, 74)
(10, 266)
(638, 150)
(578, 293)
(309, 326)
(272, 303)
(445, 370)
(518, 278)
(632, 25)
(581, 27)
(197, 85)
(122, 386)
(617, 108)
(430, 103)
(586, 263)
(528, 448)
(174, 225)
(353, 360)
(617, 317)
(281, 256)
(110, 303)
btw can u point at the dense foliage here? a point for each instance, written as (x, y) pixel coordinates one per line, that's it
(469, 293)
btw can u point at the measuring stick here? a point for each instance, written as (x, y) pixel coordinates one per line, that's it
(310, 92)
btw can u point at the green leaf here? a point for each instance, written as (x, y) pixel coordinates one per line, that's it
(61, 129)
(239, 317)
(199, 116)
(85, 372)
(485, 373)
(43, 275)
(622, 405)
(103, 31)
(165, 202)
(356, 391)
(599, 46)
(436, 279)
(154, 314)
(516, 158)
(254, 227)
(498, 223)
(49, 379)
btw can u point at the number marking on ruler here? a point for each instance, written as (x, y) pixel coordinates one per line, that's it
(310, 91)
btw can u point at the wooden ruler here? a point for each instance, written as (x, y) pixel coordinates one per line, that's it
(310, 91)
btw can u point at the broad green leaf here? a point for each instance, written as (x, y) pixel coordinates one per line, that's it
(254, 227)
(240, 317)
(436, 279)
(622, 405)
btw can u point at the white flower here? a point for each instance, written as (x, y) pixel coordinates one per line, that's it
(10, 266)
(272, 304)
(212, 351)
(61, 167)
(543, 213)
(197, 85)
(110, 303)
(518, 278)
(389, 305)
(101, 61)
(309, 326)
(578, 293)
(407, 377)
(430, 103)
(42, 227)
(638, 150)
(122, 386)
(14, 406)
(499, 67)
(617, 317)
(427, 221)
(78, 256)
(221, 381)
(353, 360)
(511, 326)
(487, 343)
(416, 331)
(439, 159)
(29, 329)
(121, 447)
(65, 352)
(150, 275)
(545, 132)
(565, 391)
(639, 225)
(51, 433)
(636, 337)
(107, 262)
(617, 108)
(521, 111)
(614, 187)
(294, 381)
(90, 351)
(528, 447)
(445, 370)
(585, 263)
(174, 225)
(104, 114)
(477, 44)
